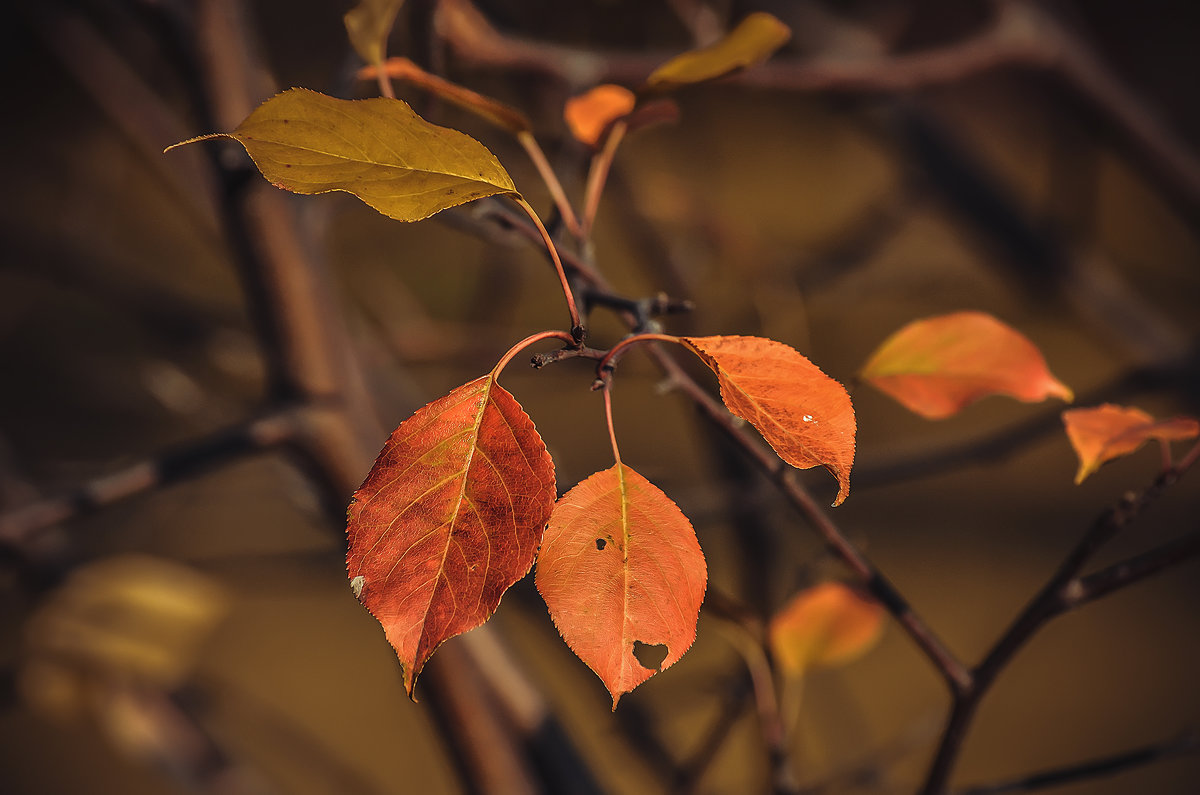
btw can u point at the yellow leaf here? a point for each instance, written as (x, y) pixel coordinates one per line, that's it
(377, 149)
(368, 25)
(1106, 432)
(750, 43)
(829, 624)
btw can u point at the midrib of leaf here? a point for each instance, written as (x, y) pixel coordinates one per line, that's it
(624, 567)
(462, 493)
(363, 159)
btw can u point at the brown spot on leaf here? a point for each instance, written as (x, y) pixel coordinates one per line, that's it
(600, 542)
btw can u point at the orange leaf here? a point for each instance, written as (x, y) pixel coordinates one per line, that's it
(937, 366)
(589, 115)
(803, 414)
(829, 624)
(1106, 432)
(623, 576)
(449, 517)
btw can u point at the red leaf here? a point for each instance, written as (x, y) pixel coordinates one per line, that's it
(449, 517)
(937, 366)
(803, 414)
(1106, 432)
(623, 576)
(828, 624)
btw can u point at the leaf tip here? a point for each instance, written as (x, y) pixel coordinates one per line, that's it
(207, 137)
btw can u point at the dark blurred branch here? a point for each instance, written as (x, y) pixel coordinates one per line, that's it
(1135, 569)
(127, 101)
(20, 525)
(1063, 591)
(1187, 743)
(1020, 35)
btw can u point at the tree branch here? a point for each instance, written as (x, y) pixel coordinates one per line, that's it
(1062, 591)
(19, 526)
(1187, 743)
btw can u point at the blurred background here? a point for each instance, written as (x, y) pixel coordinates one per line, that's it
(198, 369)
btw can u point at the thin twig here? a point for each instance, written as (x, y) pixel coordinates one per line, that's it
(1187, 743)
(1062, 591)
(1127, 572)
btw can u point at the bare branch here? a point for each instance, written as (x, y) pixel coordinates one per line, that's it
(19, 526)
(1187, 743)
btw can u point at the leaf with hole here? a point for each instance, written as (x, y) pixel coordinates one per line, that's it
(753, 41)
(623, 576)
(828, 624)
(804, 415)
(937, 366)
(590, 114)
(377, 149)
(1108, 431)
(368, 25)
(449, 518)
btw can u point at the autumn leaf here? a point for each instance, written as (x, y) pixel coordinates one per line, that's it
(750, 43)
(589, 115)
(449, 517)
(1106, 432)
(368, 25)
(936, 366)
(377, 149)
(804, 415)
(829, 624)
(623, 576)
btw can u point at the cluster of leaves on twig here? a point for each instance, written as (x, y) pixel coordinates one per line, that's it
(463, 500)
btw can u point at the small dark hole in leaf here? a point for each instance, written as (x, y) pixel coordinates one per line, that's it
(650, 655)
(600, 542)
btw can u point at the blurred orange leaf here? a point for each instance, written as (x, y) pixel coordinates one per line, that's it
(623, 576)
(938, 365)
(804, 415)
(753, 41)
(1108, 431)
(589, 114)
(829, 624)
(449, 518)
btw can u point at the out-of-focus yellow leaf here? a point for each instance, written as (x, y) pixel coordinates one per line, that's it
(829, 624)
(589, 114)
(751, 42)
(938, 365)
(377, 149)
(129, 619)
(368, 25)
(1108, 431)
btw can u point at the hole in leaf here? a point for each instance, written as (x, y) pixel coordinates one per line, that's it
(650, 655)
(600, 542)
